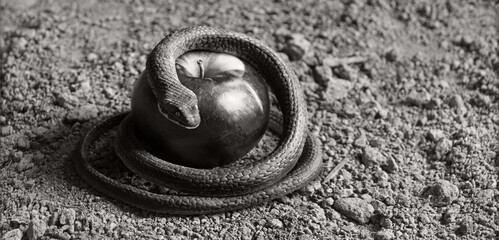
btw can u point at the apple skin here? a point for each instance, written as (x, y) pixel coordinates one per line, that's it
(234, 106)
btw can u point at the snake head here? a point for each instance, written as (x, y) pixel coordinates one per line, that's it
(184, 115)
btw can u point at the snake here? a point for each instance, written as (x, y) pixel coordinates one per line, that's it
(294, 163)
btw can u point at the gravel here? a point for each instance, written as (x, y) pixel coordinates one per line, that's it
(403, 96)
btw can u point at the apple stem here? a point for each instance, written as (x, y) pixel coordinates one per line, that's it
(201, 68)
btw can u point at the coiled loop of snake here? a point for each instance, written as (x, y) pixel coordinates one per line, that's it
(225, 180)
(226, 187)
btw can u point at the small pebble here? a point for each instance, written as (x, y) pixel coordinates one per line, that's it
(6, 130)
(337, 89)
(297, 47)
(418, 98)
(451, 213)
(40, 131)
(361, 141)
(465, 40)
(434, 103)
(355, 208)
(384, 234)
(328, 202)
(465, 227)
(92, 57)
(345, 72)
(317, 212)
(311, 188)
(36, 229)
(246, 233)
(118, 66)
(391, 165)
(275, 223)
(15, 234)
(20, 43)
(392, 55)
(442, 147)
(382, 113)
(66, 100)
(82, 114)
(23, 143)
(486, 195)
(96, 223)
(386, 223)
(323, 75)
(333, 215)
(456, 102)
(371, 156)
(85, 86)
(435, 135)
(25, 163)
(441, 193)
(110, 93)
(68, 216)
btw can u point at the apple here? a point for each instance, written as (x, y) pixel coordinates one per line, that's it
(234, 106)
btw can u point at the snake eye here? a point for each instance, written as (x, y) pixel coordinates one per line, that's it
(177, 113)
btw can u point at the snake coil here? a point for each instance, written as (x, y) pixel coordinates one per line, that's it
(293, 164)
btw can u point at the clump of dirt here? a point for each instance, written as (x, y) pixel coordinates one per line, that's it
(403, 95)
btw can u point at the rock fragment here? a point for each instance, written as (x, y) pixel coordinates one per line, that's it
(6, 130)
(92, 57)
(371, 156)
(435, 135)
(442, 147)
(337, 89)
(22, 143)
(418, 98)
(391, 165)
(361, 141)
(434, 103)
(297, 47)
(354, 208)
(25, 163)
(275, 223)
(441, 193)
(110, 93)
(392, 55)
(85, 86)
(465, 227)
(385, 234)
(20, 43)
(68, 216)
(36, 229)
(451, 214)
(322, 75)
(66, 100)
(15, 234)
(82, 114)
(456, 102)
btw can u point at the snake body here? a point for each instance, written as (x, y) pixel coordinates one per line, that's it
(295, 161)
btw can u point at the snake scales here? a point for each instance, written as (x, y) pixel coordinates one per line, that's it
(293, 164)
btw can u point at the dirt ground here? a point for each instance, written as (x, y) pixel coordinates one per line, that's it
(403, 93)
